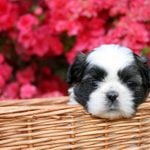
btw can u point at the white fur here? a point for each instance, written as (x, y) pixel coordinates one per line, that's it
(111, 58)
(72, 100)
(98, 104)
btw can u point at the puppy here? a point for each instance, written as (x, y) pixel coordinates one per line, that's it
(109, 82)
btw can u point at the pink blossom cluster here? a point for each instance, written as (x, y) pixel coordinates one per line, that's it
(39, 38)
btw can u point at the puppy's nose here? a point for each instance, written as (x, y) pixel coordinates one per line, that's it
(112, 95)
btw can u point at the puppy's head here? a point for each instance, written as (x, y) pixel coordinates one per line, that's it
(110, 82)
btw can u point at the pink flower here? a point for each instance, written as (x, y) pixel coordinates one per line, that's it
(27, 22)
(38, 10)
(86, 41)
(25, 76)
(139, 10)
(32, 37)
(11, 91)
(52, 94)
(40, 42)
(52, 84)
(46, 71)
(133, 37)
(2, 81)
(119, 7)
(56, 47)
(28, 91)
(5, 71)
(8, 14)
(70, 56)
(26, 39)
(24, 6)
(72, 27)
(72, 11)
(2, 59)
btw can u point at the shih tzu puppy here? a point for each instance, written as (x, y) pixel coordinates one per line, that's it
(109, 82)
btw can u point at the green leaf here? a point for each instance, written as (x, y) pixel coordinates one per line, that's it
(146, 51)
(67, 41)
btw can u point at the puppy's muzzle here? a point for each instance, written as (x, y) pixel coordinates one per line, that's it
(112, 95)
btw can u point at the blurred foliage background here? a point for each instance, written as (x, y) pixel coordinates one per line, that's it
(40, 38)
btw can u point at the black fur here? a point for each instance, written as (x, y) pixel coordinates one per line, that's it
(85, 78)
(144, 70)
(88, 84)
(76, 70)
(137, 78)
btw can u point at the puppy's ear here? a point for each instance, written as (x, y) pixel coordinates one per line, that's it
(142, 62)
(76, 70)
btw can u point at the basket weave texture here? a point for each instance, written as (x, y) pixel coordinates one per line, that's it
(51, 124)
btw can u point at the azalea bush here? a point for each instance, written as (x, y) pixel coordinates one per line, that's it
(40, 38)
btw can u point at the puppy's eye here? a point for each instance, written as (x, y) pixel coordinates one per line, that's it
(90, 80)
(94, 82)
(132, 84)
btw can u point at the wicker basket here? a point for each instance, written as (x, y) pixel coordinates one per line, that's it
(51, 124)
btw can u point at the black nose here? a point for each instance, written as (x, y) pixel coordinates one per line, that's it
(112, 95)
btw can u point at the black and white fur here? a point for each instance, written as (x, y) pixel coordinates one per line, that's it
(109, 82)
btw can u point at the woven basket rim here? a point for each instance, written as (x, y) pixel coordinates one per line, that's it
(54, 100)
(50, 123)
